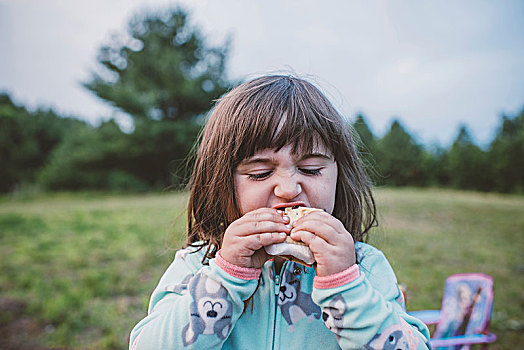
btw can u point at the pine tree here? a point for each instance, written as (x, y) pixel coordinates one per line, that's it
(400, 159)
(506, 155)
(467, 163)
(162, 69)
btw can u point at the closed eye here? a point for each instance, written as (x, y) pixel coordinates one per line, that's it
(259, 176)
(311, 172)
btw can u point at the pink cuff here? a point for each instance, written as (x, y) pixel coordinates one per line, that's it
(337, 279)
(244, 273)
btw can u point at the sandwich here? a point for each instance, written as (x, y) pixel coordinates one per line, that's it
(291, 249)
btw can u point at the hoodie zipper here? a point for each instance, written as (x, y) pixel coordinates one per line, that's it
(277, 285)
(277, 280)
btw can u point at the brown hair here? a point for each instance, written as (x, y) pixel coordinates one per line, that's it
(271, 112)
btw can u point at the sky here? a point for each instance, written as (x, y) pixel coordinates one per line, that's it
(434, 65)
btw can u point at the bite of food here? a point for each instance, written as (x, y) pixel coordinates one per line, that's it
(291, 249)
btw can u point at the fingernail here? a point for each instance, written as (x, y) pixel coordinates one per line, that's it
(289, 226)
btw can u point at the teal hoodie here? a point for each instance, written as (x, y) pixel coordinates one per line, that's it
(205, 306)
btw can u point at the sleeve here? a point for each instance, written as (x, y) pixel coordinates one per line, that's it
(194, 306)
(365, 309)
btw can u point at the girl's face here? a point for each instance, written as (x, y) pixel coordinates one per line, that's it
(270, 178)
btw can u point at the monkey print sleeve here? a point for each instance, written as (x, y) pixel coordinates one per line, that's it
(193, 306)
(364, 307)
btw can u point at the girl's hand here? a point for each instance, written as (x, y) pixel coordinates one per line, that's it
(245, 238)
(331, 244)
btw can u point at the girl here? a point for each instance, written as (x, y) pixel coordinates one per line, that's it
(272, 142)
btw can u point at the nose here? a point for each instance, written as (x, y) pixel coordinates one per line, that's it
(287, 187)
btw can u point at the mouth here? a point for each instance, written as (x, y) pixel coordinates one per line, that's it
(287, 205)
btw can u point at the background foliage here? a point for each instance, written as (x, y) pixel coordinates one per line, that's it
(165, 76)
(162, 74)
(161, 69)
(400, 161)
(27, 140)
(64, 153)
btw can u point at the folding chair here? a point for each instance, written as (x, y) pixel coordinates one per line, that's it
(464, 317)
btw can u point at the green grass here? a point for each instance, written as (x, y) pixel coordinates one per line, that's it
(83, 266)
(429, 234)
(77, 269)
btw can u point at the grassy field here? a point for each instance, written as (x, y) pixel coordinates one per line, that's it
(77, 269)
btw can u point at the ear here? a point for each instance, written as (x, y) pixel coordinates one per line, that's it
(223, 326)
(370, 345)
(188, 336)
(224, 332)
(212, 286)
(340, 305)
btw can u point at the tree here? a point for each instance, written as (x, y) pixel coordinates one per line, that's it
(438, 166)
(92, 158)
(162, 70)
(364, 132)
(400, 159)
(367, 144)
(27, 140)
(506, 155)
(164, 75)
(467, 163)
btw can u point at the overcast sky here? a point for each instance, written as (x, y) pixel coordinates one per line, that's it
(434, 65)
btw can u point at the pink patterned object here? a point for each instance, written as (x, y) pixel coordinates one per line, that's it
(465, 313)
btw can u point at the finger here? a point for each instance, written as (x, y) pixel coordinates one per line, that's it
(264, 214)
(320, 216)
(258, 227)
(271, 238)
(328, 257)
(315, 213)
(315, 243)
(319, 229)
(326, 227)
(255, 242)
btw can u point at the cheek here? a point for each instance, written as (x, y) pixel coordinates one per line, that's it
(328, 195)
(248, 195)
(240, 194)
(330, 189)
(322, 195)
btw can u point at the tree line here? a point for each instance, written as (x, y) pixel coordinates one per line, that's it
(165, 75)
(396, 159)
(64, 153)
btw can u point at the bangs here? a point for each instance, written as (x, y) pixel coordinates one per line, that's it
(283, 113)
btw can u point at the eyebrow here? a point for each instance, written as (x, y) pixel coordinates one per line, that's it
(255, 160)
(315, 155)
